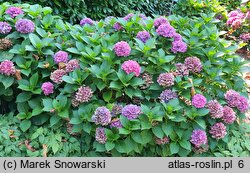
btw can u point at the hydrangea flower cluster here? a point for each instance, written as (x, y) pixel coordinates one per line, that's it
(5, 28)
(167, 95)
(148, 80)
(25, 26)
(61, 56)
(7, 68)
(179, 46)
(122, 48)
(235, 19)
(85, 21)
(228, 115)
(215, 109)
(242, 104)
(131, 111)
(72, 65)
(245, 36)
(131, 66)
(116, 110)
(143, 36)
(193, 64)
(163, 141)
(234, 99)
(166, 79)
(102, 116)
(159, 21)
(117, 26)
(57, 75)
(84, 94)
(14, 11)
(129, 16)
(181, 69)
(198, 138)
(218, 130)
(199, 101)
(166, 30)
(100, 135)
(47, 88)
(116, 123)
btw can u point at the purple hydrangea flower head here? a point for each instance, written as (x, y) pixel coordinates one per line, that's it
(179, 46)
(72, 65)
(57, 75)
(131, 66)
(14, 11)
(181, 69)
(166, 79)
(84, 94)
(232, 98)
(86, 21)
(7, 68)
(233, 13)
(177, 37)
(129, 16)
(143, 36)
(47, 88)
(242, 104)
(159, 21)
(199, 101)
(215, 109)
(228, 115)
(166, 30)
(122, 48)
(116, 110)
(193, 64)
(167, 95)
(131, 111)
(61, 56)
(100, 135)
(118, 27)
(102, 116)
(5, 28)
(163, 141)
(198, 138)
(116, 123)
(218, 130)
(245, 36)
(25, 26)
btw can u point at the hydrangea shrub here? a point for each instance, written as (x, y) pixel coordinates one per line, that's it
(131, 86)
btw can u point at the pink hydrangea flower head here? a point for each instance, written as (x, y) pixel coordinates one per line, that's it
(118, 27)
(61, 56)
(232, 98)
(57, 75)
(193, 64)
(122, 48)
(47, 88)
(131, 66)
(199, 101)
(179, 46)
(159, 21)
(177, 37)
(86, 21)
(242, 104)
(198, 138)
(215, 109)
(236, 24)
(218, 131)
(14, 11)
(229, 115)
(166, 30)
(143, 36)
(100, 135)
(72, 65)
(5, 28)
(7, 68)
(131, 111)
(102, 116)
(25, 26)
(166, 79)
(84, 94)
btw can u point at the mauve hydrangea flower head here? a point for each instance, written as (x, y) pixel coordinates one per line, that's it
(131, 111)
(5, 28)
(242, 104)
(166, 30)
(198, 138)
(57, 75)
(118, 27)
(116, 123)
(61, 56)
(47, 88)
(122, 48)
(245, 36)
(143, 36)
(177, 37)
(166, 79)
(7, 68)
(131, 66)
(72, 65)
(102, 116)
(167, 95)
(84, 94)
(193, 64)
(100, 135)
(199, 101)
(179, 46)
(228, 115)
(14, 11)
(232, 98)
(116, 110)
(181, 69)
(236, 23)
(233, 13)
(159, 21)
(215, 109)
(163, 141)
(85, 21)
(25, 26)
(218, 130)
(129, 16)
